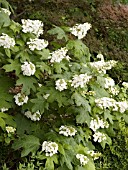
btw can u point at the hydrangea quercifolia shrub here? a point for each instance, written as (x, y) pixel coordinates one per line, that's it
(56, 104)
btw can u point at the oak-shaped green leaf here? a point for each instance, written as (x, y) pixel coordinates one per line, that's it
(45, 53)
(61, 149)
(16, 27)
(67, 159)
(83, 116)
(107, 141)
(55, 95)
(28, 143)
(7, 52)
(13, 66)
(27, 83)
(4, 19)
(59, 67)
(81, 101)
(50, 162)
(59, 97)
(79, 50)
(100, 92)
(6, 119)
(109, 116)
(59, 31)
(23, 55)
(43, 67)
(25, 125)
(39, 104)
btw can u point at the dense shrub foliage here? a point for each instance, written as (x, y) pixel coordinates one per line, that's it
(59, 106)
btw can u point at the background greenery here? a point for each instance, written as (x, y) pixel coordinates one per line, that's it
(108, 17)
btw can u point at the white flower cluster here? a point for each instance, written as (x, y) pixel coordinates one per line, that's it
(3, 109)
(32, 26)
(20, 99)
(110, 85)
(123, 106)
(80, 80)
(102, 66)
(61, 85)
(50, 148)
(80, 30)
(40, 85)
(114, 90)
(59, 55)
(99, 137)
(46, 96)
(10, 129)
(100, 56)
(106, 102)
(67, 131)
(28, 68)
(125, 84)
(6, 41)
(109, 82)
(83, 159)
(6, 11)
(33, 116)
(37, 44)
(98, 123)
(94, 155)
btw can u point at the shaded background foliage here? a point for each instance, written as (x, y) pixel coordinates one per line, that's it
(109, 36)
(109, 19)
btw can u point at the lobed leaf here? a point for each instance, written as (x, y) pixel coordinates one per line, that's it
(4, 19)
(28, 143)
(28, 84)
(79, 50)
(59, 31)
(13, 66)
(83, 116)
